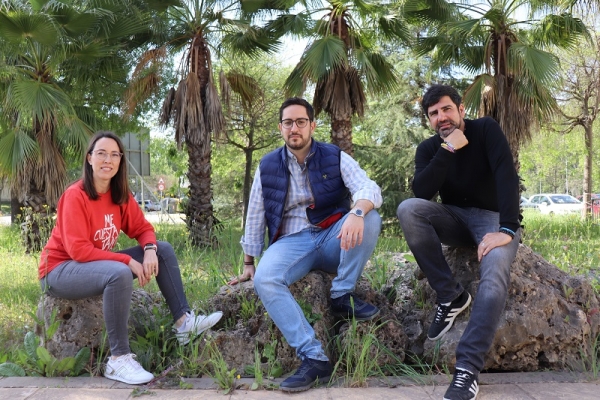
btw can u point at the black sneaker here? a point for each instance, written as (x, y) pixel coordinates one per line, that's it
(349, 305)
(308, 374)
(464, 386)
(445, 315)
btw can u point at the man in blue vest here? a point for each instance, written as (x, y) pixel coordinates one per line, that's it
(318, 207)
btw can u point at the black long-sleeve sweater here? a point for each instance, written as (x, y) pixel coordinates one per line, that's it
(481, 174)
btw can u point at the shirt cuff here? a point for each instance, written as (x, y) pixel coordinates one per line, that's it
(368, 195)
(254, 250)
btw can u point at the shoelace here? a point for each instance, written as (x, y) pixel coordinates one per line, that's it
(440, 312)
(461, 379)
(305, 366)
(130, 360)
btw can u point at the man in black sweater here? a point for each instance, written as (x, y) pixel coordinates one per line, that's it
(470, 164)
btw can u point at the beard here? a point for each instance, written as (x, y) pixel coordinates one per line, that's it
(447, 130)
(297, 143)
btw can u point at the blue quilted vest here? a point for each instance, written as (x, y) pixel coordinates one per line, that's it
(332, 197)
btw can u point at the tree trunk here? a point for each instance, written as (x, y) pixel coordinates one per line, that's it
(36, 220)
(199, 211)
(587, 171)
(341, 134)
(15, 207)
(247, 184)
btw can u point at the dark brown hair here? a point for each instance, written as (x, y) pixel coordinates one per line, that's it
(435, 92)
(292, 101)
(119, 184)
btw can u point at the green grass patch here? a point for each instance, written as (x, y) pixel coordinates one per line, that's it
(567, 241)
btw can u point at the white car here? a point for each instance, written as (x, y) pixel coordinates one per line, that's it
(524, 203)
(556, 203)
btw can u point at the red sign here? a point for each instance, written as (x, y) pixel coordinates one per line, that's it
(161, 187)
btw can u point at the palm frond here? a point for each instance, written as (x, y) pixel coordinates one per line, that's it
(224, 89)
(17, 27)
(562, 30)
(213, 114)
(332, 95)
(430, 11)
(37, 98)
(296, 25)
(323, 55)
(252, 41)
(15, 146)
(380, 74)
(192, 111)
(480, 96)
(295, 84)
(393, 27)
(244, 85)
(538, 65)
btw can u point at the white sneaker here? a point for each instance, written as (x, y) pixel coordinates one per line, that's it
(195, 325)
(127, 369)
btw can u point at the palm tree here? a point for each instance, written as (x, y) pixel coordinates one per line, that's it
(194, 29)
(508, 44)
(342, 58)
(57, 57)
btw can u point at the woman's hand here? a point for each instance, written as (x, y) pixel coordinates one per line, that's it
(150, 263)
(138, 271)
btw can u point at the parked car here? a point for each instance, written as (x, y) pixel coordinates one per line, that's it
(525, 203)
(594, 204)
(556, 203)
(149, 205)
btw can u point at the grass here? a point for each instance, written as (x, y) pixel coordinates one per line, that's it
(566, 241)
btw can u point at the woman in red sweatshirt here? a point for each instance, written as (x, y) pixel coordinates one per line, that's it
(78, 261)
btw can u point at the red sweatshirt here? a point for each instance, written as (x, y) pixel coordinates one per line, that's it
(87, 230)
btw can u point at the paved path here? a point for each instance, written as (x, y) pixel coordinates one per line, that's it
(509, 386)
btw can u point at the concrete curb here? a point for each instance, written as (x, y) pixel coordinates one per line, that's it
(506, 386)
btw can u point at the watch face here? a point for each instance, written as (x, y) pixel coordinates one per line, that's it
(358, 212)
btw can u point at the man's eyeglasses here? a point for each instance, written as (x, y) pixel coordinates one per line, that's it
(300, 123)
(103, 155)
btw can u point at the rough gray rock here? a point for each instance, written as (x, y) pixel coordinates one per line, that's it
(82, 322)
(549, 321)
(550, 317)
(256, 330)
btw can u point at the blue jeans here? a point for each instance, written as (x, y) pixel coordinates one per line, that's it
(291, 258)
(114, 281)
(426, 225)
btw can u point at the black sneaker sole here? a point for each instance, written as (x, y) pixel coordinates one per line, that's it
(305, 387)
(447, 328)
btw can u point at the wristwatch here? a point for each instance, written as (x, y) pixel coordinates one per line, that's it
(358, 212)
(150, 246)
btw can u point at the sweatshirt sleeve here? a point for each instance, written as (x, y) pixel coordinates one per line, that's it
(431, 165)
(75, 230)
(505, 174)
(134, 223)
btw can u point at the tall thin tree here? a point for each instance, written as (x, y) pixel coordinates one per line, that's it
(193, 30)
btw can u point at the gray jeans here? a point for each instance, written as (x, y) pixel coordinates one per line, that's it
(426, 225)
(114, 281)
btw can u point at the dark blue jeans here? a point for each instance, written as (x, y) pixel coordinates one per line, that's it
(426, 226)
(114, 281)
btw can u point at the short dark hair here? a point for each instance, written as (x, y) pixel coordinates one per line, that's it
(292, 101)
(436, 92)
(119, 184)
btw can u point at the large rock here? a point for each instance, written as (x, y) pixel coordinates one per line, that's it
(250, 330)
(82, 322)
(549, 320)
